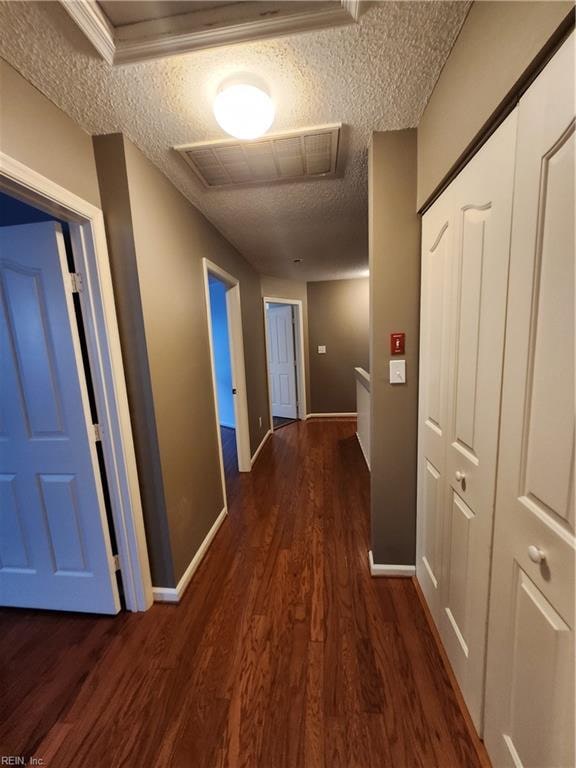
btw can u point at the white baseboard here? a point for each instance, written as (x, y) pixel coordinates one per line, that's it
(363, 451)
(377, 569)
(174, 594)
(257, 451)
(351, 415)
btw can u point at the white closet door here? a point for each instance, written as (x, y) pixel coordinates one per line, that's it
(482, 204)
(530, 673)
(54, 540)
(437, 246)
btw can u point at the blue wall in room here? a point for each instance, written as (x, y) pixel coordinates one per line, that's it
(13, 212)
(221, 352)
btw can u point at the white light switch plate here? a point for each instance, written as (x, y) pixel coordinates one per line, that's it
(322, 350)
(397, 371)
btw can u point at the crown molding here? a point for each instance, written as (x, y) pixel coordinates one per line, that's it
(159, 42)
(92, 21)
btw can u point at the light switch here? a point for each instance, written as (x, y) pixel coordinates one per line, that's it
(397, 371)
(322, 349)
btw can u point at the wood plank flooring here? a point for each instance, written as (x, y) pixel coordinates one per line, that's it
(283, 652)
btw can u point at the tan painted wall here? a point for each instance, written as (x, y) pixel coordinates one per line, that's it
(394, 244)
(496, 45)
(337, 318)
(113, 180)
(38, 134)
(169, 239)
(278, 288)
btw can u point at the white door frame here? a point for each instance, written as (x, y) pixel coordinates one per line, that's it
(88, 237)
(299, 353)
(234, 318)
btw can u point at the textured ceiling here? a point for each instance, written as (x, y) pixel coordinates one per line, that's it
(376, 75)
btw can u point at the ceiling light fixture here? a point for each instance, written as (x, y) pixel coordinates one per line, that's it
(243, 107)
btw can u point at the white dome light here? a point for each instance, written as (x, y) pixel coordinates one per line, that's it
(243, 110)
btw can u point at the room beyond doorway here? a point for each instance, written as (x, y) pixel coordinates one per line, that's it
(228, 372)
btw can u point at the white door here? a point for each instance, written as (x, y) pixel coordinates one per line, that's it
(54, 540)
(282, 361)
(482, 205)
(437, 246)
(530, 672)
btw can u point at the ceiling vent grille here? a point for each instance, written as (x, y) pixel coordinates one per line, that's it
(310, 153)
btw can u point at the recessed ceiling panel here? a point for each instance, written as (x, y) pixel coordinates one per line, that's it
(122, 12)
(298, 155)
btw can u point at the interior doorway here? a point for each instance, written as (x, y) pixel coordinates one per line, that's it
(285, 360)
(223, 370)
(228, 371)
(72, 535)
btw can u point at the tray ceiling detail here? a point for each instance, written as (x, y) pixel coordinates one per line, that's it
(123, 32)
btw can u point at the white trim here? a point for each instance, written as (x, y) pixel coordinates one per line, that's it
(174, 594)
(299, 353)
(99, 314)
(257, 451)
(377, 569)
(363, 377)
(95, 25)
(363, 451)
(171, 36)
(343, 415)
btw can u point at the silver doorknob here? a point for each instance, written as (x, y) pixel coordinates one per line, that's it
(460, 475)
(536, 554)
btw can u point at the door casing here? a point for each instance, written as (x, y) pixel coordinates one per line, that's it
(88, 238)
(234, 313)
(299, 351)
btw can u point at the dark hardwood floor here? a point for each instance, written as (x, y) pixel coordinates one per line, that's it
(283, 652)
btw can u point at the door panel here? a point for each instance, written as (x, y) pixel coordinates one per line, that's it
(55, 550)
(482, 199)
(281, 360)
(539, 726)
(437, 236)
(530, 674)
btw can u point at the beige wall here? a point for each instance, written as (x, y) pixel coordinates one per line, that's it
(278, 288)
(394, 237)
(113, 181)
(169, 237)
(38, 134)
(337, 318)
(497, 43)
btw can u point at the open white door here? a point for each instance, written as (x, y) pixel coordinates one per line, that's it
(54, 541)
(282, 361)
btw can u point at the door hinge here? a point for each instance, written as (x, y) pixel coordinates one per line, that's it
(116, 561)
(76, 282)
(97, 432)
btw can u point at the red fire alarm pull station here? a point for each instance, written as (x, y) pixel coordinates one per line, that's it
(397, 343)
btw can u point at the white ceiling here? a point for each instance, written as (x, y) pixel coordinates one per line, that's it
(376, 75)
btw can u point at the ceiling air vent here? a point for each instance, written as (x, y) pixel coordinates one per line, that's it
(310, 153)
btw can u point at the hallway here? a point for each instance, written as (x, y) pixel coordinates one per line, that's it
(283, 652)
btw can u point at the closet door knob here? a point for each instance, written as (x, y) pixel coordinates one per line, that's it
(460, 475)
(536, 554)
